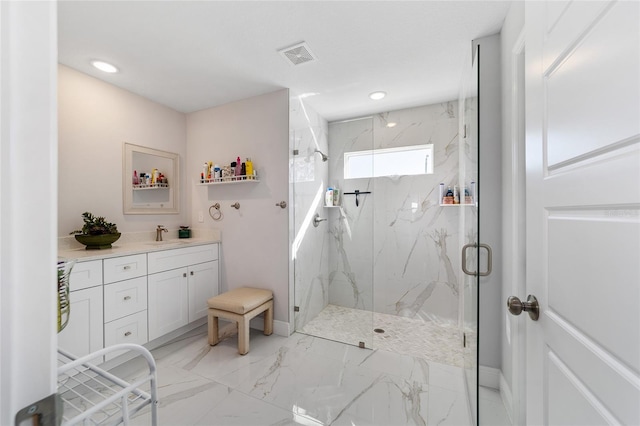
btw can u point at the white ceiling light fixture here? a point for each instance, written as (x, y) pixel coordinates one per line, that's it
(298, 54)
(105, 66)
(391, 124)
(376, 96)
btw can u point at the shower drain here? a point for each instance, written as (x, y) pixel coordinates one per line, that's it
(378, 330)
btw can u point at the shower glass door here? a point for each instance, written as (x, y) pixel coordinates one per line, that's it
(469, 228)
(332, 241)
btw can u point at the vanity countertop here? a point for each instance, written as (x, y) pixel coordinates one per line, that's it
(132, 247)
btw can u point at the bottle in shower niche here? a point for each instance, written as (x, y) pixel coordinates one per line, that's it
(336, 196)
(448, 196)
(328, 200)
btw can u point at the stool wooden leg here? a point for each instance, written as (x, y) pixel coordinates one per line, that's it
(213, 329)
(243, 335)
(268, 320)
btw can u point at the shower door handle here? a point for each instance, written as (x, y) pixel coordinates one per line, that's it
(489, 259)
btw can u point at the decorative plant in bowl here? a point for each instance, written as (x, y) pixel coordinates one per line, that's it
(96, 233)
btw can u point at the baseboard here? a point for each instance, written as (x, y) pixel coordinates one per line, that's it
(507, 398)
(280, 328)
(489, 377)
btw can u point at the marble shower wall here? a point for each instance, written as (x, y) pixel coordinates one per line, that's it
(308, 177)
(397, 252)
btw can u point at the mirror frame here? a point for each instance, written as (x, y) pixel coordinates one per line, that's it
(128, 207)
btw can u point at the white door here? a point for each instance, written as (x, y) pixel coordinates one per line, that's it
(583, 212)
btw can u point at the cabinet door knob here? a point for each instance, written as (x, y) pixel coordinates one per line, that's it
(127, 298)
(127, 334)
(127, 267)
(191, 273)
(184, 275)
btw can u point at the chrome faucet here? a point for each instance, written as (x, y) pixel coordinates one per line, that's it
(159, 230)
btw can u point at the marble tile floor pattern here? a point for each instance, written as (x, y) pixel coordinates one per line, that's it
(298, 380)
(407, 336)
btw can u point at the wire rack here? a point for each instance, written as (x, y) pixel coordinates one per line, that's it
(93, 396)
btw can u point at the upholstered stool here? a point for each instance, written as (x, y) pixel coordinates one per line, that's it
(240, 305)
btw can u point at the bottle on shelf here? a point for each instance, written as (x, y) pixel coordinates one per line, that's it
(249, 172)
(448, 196)
(328, 200)
(238, 170)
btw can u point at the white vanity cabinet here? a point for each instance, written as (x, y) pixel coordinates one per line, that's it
(179, 283)
(84, 332)
(138, 297)
(125, 300)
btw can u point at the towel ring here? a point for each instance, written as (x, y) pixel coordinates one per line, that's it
(217, 214)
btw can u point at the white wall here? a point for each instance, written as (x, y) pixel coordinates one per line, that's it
(491, 307)
(512, 196)
(95, 119)
(28, 166)
(255, 237)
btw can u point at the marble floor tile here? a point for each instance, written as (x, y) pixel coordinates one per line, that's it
(492, 411)
(298, 380)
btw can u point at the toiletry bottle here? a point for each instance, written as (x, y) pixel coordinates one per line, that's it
(243, 171)
(136, 181)
(249, 168)
(329, 197)
(456, 195)
(448, 197)
(336, 197)
(216, 172)
(238, 167)
(233, 170)
(205, 171)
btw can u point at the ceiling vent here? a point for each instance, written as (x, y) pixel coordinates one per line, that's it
(297, 54)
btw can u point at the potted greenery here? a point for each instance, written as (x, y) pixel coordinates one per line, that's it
(96, 233)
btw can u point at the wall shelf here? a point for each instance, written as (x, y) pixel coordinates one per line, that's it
(457, 205)
(144, 187)
(229, 180)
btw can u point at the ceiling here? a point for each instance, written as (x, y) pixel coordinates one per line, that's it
(192, 55)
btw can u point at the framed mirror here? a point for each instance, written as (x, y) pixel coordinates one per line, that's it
(150, 181)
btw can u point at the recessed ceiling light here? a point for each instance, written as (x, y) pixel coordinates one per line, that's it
(376, 96)
(104, 66)
(392, 124)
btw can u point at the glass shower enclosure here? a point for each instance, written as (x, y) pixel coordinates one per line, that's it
(380, 265)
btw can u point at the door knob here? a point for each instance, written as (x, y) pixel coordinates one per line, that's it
(516, 306)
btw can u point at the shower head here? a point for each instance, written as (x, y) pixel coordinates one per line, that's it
(324, 157)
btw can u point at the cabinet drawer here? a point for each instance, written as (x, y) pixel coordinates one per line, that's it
(125, 298)
(124, 268)
(130, 329)
(178, 258)
(85, 275)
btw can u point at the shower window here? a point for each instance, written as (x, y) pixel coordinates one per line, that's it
(400, 161)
